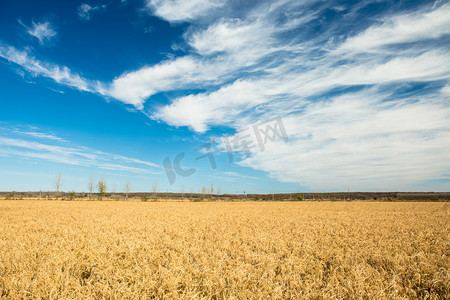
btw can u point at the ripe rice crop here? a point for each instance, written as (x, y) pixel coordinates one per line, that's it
(279, 250)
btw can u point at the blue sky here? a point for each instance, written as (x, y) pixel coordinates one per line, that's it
(118, 89)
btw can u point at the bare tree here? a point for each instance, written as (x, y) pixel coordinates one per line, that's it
(127, 187)
(91, 185)
(204, 190)
(57, 183)
(219, 191)
(211, 189)
(182, 191)
(155, 188)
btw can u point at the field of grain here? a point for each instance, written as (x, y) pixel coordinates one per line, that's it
(85, 249)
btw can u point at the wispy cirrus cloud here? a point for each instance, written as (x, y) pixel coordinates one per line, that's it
(85, 11)
(226, 105)
(183, 10)
(369, 140)
(43, 31)
(41, 146)
(428, 24)
(363, 145)
(60, 74)
(39, 135)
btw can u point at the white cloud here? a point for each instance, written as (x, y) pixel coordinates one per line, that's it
(240, 44)
(183, 10)
(362, 142)
(181, 73)
(404, 28)
(231, 36)
(222, 51)
(85, 11)
(60, 74)
(228, 105)
(446, 91)
(135, 87)
(71, 155)
(44, 31)
(432, 65)
(39, 135)
(217, 108)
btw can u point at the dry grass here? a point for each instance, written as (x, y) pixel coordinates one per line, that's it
(55, 249)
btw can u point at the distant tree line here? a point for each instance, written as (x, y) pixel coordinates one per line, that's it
(99, 190)
(100, 193)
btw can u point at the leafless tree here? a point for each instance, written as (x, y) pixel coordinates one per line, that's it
(219, 191)
(127, 187)
(211, 189)
(57, 183)
(204, 190)
(91, 185)
(155, 188)
(182, 191)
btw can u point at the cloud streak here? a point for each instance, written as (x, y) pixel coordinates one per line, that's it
(60, 74)
(409, 28)
(41, 149)
(183, 10)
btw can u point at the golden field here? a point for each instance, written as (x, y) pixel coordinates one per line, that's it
(224, 250)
